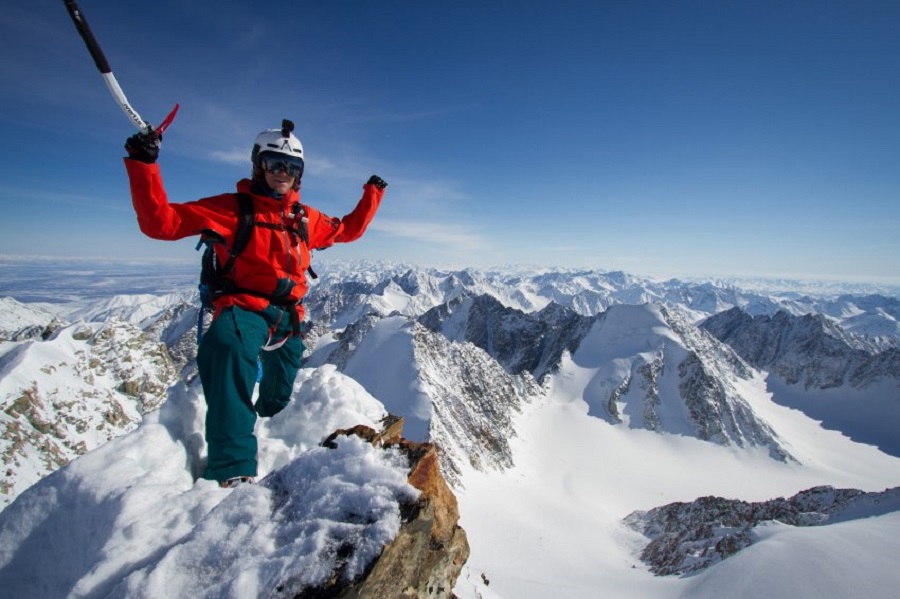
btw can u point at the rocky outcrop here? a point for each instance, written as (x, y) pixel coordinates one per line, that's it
(176, 327)
(426, 557)
(687, 537)
(68, 394)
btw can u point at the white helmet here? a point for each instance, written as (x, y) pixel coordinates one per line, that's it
(277, 141)
(280, 141)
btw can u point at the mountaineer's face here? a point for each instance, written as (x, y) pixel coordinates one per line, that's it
(280, 182)
(281, 171)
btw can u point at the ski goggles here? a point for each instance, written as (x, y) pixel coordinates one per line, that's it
(275, 163)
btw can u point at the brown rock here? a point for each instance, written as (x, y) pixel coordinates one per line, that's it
(431, 548)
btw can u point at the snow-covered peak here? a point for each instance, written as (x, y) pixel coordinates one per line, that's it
(138, 309)
(648, 368)
(16, 316)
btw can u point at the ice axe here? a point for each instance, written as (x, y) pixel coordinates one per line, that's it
(103, 66)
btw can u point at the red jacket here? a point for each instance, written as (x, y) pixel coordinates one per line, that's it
(273, 259)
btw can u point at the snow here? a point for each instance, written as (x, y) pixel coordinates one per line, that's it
(16, 315)
(850, 410)
(280, 536)
(384, 365)
(129, 519)
(827, 561)
(583, 475)
(549, 526)
(133, 308)
(66, 395)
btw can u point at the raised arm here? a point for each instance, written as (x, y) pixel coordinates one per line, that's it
(158, 219)
(325, 231)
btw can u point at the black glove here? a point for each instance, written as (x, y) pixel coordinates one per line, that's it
(144, 146)
(377, 182)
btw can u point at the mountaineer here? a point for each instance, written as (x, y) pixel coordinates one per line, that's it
(259, 242)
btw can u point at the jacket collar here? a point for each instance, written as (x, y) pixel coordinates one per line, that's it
(246, 186)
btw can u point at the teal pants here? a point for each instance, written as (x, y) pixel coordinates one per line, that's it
(227, 361)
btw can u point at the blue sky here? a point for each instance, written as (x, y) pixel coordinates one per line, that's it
(657, 137)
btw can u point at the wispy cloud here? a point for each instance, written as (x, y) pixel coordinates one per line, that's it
(236, 156)
(441, 233)
(62, 197)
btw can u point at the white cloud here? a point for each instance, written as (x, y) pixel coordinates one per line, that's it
(63, 197)
(432, 232)
(240, 157)
(323, 166)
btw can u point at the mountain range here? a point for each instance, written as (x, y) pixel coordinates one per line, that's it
(567, 406)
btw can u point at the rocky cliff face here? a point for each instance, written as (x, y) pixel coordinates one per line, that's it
(688, 537)
(474, 401)
(708, 376)
(636, 385)
(176, 327)
(519, 341)
(805, 350)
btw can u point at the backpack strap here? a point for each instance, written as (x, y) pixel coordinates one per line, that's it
(212, 280)
(244, 231)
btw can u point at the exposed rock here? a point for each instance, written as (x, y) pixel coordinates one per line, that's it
(103, 379)
(519, 341)
(474, 401)
(687, 537)
(426, 557)
(176, 327)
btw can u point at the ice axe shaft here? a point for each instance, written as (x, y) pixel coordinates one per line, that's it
(93, 47)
